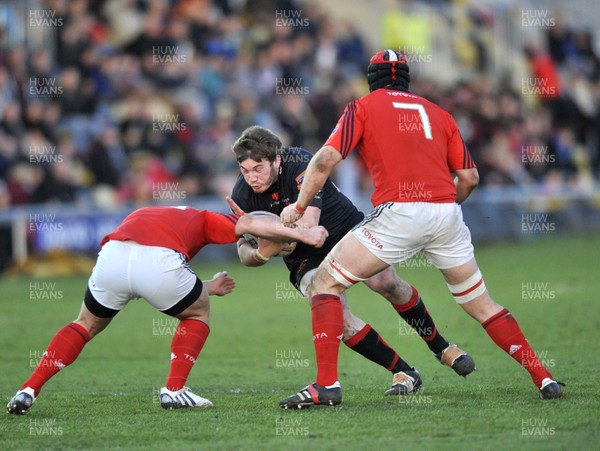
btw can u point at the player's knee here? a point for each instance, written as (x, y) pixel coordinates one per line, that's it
(198, 312)
(332, 277)
(384, 284)
(390, 286)
(93, 326)
(481, 308)
(322, 282)
(473, 288)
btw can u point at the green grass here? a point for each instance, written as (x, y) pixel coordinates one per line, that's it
(107, 399)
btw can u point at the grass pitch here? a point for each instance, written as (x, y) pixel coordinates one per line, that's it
(260, 350)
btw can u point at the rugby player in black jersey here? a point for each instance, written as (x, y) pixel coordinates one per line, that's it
(271, 178)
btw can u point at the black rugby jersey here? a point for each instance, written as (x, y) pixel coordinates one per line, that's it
(338, 213)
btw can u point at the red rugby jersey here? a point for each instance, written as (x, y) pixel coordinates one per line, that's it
(409, 145)
(182, 229)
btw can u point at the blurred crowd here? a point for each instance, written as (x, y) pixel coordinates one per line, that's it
(131, 101)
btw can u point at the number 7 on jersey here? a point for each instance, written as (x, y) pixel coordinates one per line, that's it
(422, 115)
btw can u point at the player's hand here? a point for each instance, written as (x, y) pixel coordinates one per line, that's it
(234, 207)
(269, 248)
(220, 285)
(290, 215)
(315, 236)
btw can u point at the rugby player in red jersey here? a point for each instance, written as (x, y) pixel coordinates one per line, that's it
(147, 256)
(411, 148)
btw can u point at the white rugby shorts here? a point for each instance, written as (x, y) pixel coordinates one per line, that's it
(126, 270)
(397, 231)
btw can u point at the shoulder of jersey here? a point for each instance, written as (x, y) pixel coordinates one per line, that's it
(296, 156)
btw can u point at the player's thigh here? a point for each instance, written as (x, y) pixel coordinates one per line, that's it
(348, 262)
(165, 279)
(199, 309)
(394, 231)
(460, 273)
(109, 288)
(304, 285)
(450, 247)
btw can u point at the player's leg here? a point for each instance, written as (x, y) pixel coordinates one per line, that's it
(468, 288)
(340, 270)
(170, 285)
(361, 337)
(103, 299)
(188, 340)
(63, 349)
(451, 251)
(343, 269)
(406, 300)
(186, 345)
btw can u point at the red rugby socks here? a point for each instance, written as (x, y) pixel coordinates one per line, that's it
(328, 327)
(506, 333)
(188, 340)
(62, 350)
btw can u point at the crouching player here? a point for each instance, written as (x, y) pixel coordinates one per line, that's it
(147, 256)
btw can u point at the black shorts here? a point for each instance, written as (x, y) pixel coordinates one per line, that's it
(299, 267)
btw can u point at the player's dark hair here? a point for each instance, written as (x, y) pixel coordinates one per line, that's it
(256, 142)
(388, 69)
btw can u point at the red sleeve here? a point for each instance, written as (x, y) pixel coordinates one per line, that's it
(220, 228)
(349, 129)
(458, 154)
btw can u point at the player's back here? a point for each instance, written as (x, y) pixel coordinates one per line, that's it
(410, 146)
(183, 229)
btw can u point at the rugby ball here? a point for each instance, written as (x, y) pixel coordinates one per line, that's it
(288, 247)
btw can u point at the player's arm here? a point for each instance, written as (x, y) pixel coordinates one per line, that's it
(249, 256)
(272, 229)
(317, 172)
(311, 217)
(461, 163)
(466, 181)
